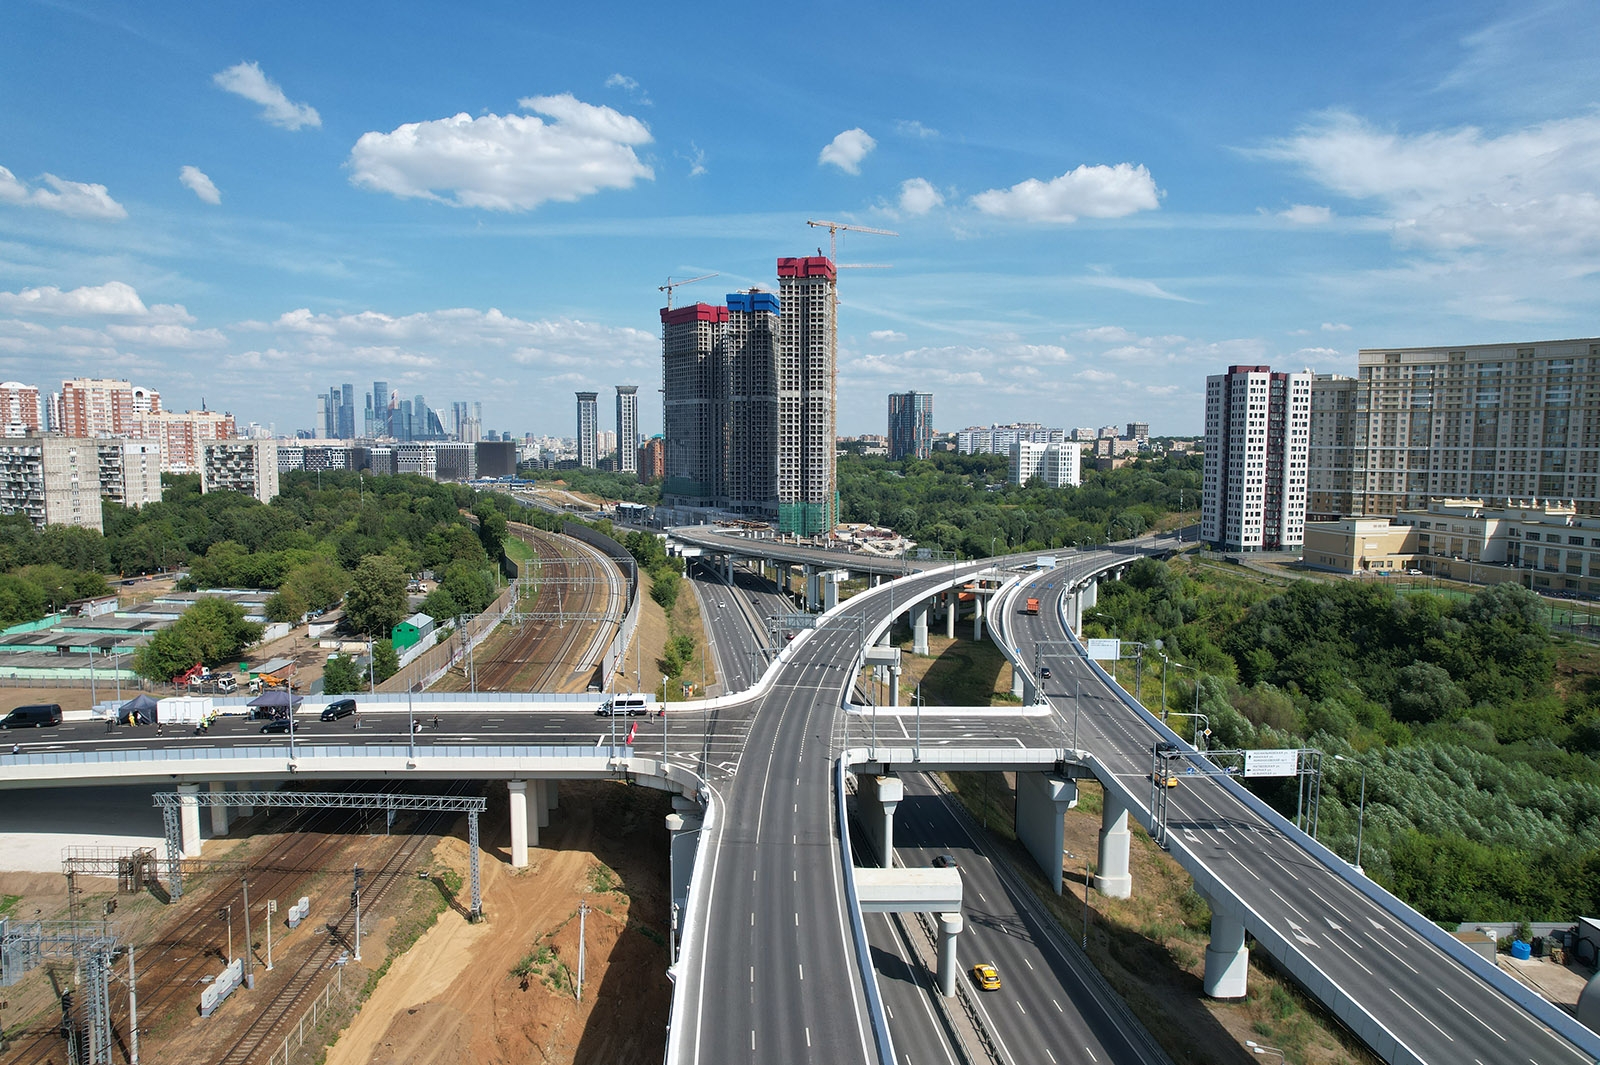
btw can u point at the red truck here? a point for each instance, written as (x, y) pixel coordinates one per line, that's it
(1032, 607)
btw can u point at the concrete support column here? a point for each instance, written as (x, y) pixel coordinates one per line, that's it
(977, 618)
(729, 569)
(952, 607)
(219, 814)
(1113, 880)
(244, 785)
(810, 578)
(919, 628)
(542, 798)
(518, 791)
(552, 794)
(877, 798)
(830, 593)
(1227, 958)
(1043, 800)
(1088, 598)
(894, 685)
(189, 819)
(1020, 687)
(949, 928)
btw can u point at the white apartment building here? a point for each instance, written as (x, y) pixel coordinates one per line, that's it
(1257, 437)
(588, 430)
(1057, 464)
(627, 429)
(248, 466)
(129, 470)
(53, 480)
(998, 439)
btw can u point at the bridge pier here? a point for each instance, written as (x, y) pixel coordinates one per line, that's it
(977, 617)
(1227, 958)
(949, 928)
(1113, 879)
(876, 799)
(219, 814)
(517, 790)
(813, 594)
(244, 785)
(830, 591)
(894, 685)
(189, 819)
(952, 607)
(919, 628)
(1043, 800)
(1021, 686)
(542, 802)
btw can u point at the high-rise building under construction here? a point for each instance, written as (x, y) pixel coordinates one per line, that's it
(749, 403)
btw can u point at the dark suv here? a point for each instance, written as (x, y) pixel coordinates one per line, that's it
(339, 708)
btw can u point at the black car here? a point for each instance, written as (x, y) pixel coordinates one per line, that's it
(280, 724)
(339, 708)
(1044, 672)
(946, 861)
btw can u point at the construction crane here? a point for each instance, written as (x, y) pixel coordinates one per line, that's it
(671, 284)
(833, 234)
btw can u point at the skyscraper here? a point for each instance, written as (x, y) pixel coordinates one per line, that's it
(910, 425)
(1258, 430)
(380, 409)
(588, 444)
(627, 429)
(691, 347)
(347, 413)
(749, 403)
(808, 498)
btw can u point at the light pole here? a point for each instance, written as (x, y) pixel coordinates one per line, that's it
(355, 900)
(1257, 1048)
(1202, 728)
(1197, 676)
(1361, 814)
(249, 959)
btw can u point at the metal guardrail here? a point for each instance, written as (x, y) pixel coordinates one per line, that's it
(308, 752)
(858, 928)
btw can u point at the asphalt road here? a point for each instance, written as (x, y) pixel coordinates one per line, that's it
(1445, 1013)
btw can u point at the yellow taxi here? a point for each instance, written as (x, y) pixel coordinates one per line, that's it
(986, 976)
(1171, 781)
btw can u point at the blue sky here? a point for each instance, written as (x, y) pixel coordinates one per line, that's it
(246, 202)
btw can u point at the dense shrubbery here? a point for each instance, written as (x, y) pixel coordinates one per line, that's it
(962, 503)
(1483, 788)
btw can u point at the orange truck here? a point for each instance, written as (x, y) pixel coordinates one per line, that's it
(1032, 607)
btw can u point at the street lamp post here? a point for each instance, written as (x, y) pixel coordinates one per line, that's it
(1361, 813)
(1257, 1048)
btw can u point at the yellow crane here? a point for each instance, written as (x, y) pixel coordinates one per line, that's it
(671, 284)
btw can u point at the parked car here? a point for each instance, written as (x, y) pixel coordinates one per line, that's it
(36, 715)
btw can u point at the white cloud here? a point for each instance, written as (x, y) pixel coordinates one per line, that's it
(696, 159)
(111, 298)
(1105, 334)
(912, 128)
(918, 196)
(1335, 327)
(73, 198)
(1091, 374)
(195, 180)
(631, 87)
(1305, 214)
(247, 80)
(884, 335)
(1087, 192)
(1133, 285)
(167, 336)
(847, 150)
(506, 162)
(1527, 188)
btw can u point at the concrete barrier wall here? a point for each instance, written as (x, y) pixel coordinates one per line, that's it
(625, 562)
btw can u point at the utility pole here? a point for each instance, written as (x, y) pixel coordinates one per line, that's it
(583, 912)
(272, 908)
(249, 951)
(133, 1013)
(355, 900)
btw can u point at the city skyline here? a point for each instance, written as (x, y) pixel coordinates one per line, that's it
(1079, 230)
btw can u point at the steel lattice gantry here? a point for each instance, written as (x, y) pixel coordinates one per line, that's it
(172, 803)
(92, 946)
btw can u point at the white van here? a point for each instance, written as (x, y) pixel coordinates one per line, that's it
(627, 706)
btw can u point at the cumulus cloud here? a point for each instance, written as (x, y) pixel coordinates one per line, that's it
(111, 298)
(506, 162)
(1087, 192)
(1335, 327)
(847, 150)
(195, 180)
(885, 335)
(73, 198)
(1532, 187)
(247, 80)
(1105, 334)
(1305, 214)
(918, 196)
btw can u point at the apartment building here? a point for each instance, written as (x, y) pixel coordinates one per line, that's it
(1331, 448)
(1257, 424)
(92, 406)
(998, 439)
(1057, 464)
(52, 480)
(808, 497)
(628, 429)
(691, 350)
(129, 470)
(183, 436)
(588, 428)
(748, 404)
(248, 466)
(910, 425)
(22, 411)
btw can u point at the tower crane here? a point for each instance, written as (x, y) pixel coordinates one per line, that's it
(671, 284)
(833, 234)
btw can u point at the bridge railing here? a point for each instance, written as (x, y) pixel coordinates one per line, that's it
(309, 752)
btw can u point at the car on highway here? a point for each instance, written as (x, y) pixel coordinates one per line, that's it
(1044, 672)
(339, 708)
(37, 715)
(280, 724)
(946, 861)
(1172, 779)
(986, 976)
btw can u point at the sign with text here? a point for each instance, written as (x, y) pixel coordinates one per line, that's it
(1271, 763)
(1104, 650)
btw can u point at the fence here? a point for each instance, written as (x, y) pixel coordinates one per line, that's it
(319, 1009)
(436, 661)
(625, 562)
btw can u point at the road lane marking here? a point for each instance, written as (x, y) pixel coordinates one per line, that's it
(1392, 954)
(1469, 1013)
(1419, 1013)
(752, 974)
(808, 1038)
(1057, 1005)
(1086, 1050)
(1047, 1051)
(1028, 963)
(802, 972)
(1287, 903)
(1346, 953)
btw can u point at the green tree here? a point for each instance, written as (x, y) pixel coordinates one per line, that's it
(211, 631)
(664, 586)
(385, 661)
(377, 597)
(340, 675)
(20, 600)
(319, 583)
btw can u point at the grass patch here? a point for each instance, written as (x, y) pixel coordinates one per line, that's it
(8, 903)
(603, 880)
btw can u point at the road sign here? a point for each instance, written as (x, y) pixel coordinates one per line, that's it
(1104, 650)
(1271, 763)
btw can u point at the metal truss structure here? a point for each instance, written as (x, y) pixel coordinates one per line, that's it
(1230, 763)
(92, 946)
(133, 868)
(172, 803)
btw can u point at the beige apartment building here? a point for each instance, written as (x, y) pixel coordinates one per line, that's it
(58, 480)
(248, 466)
